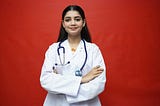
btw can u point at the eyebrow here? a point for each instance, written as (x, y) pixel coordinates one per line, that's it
(74, 17)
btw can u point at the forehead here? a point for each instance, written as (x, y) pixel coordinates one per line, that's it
(72, 13)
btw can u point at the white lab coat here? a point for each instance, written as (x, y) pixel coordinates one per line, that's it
(64, 88)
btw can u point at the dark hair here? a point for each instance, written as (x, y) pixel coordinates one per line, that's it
(63, 35)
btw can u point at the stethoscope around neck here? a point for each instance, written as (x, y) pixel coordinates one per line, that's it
(77, 72)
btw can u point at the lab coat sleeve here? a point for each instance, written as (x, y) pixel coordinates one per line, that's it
(93, 88)
(57, 83)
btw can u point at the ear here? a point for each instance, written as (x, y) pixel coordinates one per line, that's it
(84, 23)
(63, 24)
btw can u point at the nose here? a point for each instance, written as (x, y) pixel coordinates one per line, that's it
(72, 22)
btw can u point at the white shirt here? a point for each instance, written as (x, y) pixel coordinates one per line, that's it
(64, 88)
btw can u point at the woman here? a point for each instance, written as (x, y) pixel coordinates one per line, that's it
(73, 71)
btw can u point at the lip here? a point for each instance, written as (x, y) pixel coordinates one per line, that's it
(73, 28)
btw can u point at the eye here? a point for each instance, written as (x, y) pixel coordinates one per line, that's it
(77, 19)
(67, 20)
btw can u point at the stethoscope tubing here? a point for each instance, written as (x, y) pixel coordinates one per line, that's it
(58, 51)
(85, 57)
(63, 49)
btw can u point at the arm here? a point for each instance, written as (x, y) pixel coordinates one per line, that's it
(91, 86)
(57, 83)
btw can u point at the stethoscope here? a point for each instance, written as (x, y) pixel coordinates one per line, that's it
(77, 72)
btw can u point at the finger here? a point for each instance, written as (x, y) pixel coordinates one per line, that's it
(96, 75)
(96, 66)
(95, 71)
(99, 72)
(100, 69)
(55, 71)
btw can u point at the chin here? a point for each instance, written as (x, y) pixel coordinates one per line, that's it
(74, 33)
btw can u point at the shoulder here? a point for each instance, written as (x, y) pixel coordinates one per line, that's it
(52, 47)
(92, 46)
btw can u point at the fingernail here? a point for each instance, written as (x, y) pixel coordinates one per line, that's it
(98, 66)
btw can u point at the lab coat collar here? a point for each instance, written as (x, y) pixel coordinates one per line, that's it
(68, 49)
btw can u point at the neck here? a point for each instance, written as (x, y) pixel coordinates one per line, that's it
(74, 40)
(74, 43)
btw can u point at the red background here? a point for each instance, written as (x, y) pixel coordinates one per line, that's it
(127, 32)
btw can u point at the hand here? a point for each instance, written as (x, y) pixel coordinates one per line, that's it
(95, 72)
(54, 70)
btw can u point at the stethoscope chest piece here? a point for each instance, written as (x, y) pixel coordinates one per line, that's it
(78, 73)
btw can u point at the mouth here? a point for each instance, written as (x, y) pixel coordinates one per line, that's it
(73, 28)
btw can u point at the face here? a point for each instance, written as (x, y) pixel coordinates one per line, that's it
(73, 23)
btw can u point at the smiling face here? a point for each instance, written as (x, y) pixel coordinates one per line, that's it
(73, 23)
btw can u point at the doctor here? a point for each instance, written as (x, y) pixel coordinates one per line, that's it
(73, 72)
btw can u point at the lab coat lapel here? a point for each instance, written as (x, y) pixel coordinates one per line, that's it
(78, 57)
(78, 53)
(69, 54)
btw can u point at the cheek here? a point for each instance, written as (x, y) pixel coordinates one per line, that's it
(80, 24)
(64, 25)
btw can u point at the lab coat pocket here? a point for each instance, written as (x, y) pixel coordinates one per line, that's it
(59, 69)
(64, 70)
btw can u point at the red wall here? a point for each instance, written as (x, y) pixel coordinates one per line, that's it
(127, 31)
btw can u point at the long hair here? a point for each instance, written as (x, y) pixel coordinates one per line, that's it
(63, 35)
